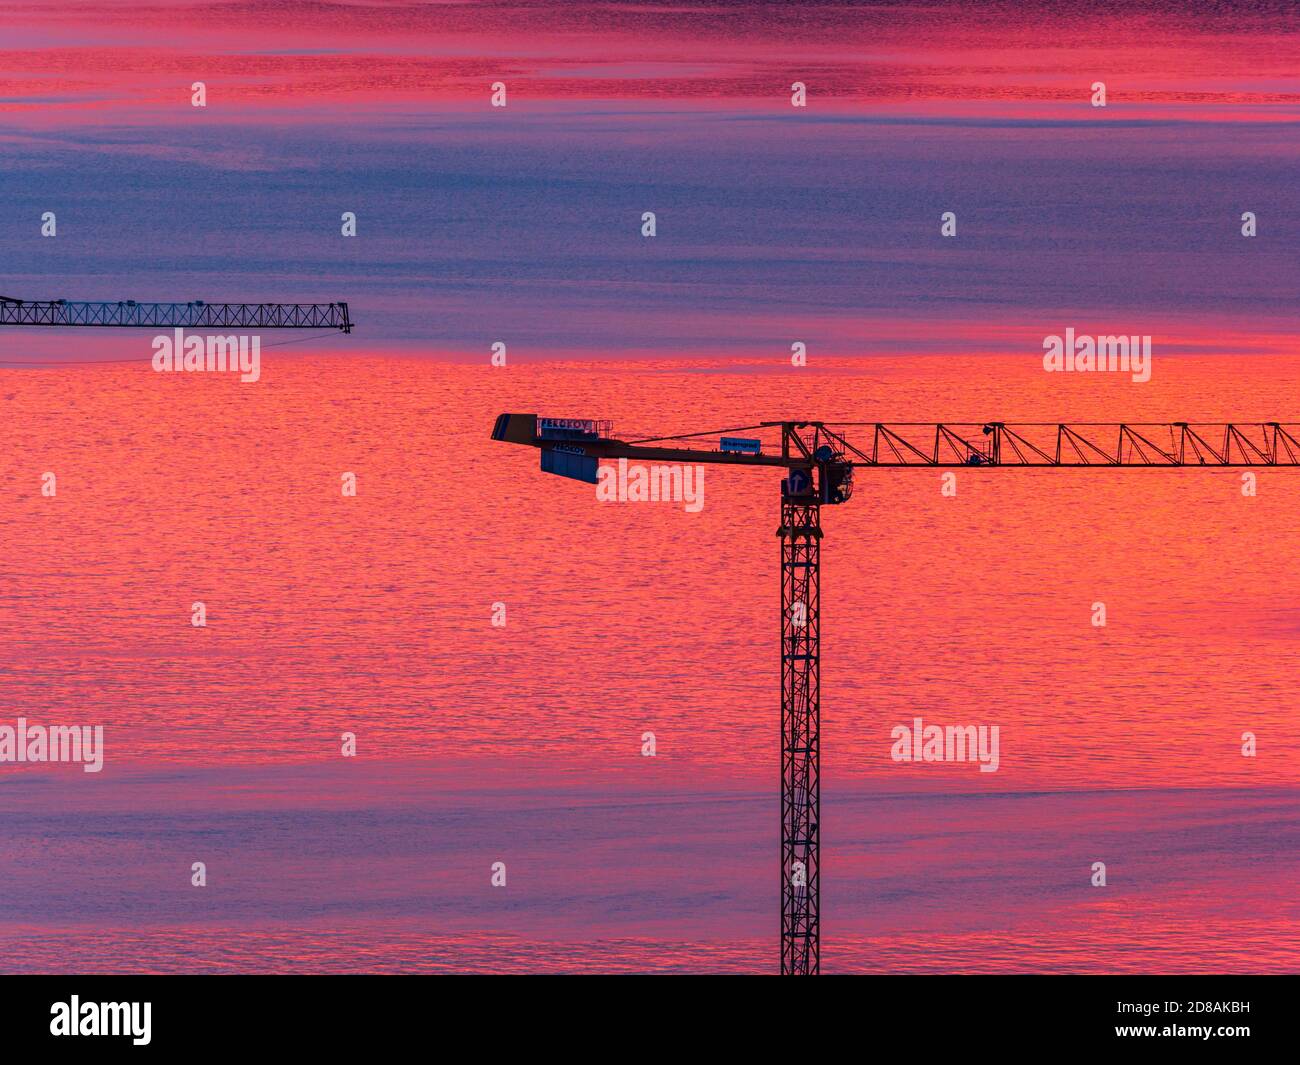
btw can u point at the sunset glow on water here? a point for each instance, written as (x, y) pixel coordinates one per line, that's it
(371, 614)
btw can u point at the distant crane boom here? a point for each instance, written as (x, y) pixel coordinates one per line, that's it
(195, 315)
(820, 462)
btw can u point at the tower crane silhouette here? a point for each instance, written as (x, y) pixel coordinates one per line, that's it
(820, 462)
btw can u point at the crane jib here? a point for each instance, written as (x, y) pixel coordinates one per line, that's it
(197, 314)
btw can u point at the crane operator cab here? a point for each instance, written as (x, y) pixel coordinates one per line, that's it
(836, 475)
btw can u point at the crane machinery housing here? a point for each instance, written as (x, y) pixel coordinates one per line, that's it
(819, 464)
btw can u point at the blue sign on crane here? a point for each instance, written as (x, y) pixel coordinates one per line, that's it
(798, 483)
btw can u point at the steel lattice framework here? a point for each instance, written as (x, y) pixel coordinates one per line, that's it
(821, 462)
(198, 315)
(1061, 444)
(801, 535)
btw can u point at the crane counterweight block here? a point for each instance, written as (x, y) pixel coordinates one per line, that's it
(516, 429)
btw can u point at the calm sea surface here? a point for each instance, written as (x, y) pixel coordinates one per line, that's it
(372, 615)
